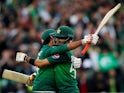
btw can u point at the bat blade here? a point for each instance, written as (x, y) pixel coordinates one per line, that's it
(107, 17)
(15, 76)
(102, 23)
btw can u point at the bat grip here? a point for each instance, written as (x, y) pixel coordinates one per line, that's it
(86, 48)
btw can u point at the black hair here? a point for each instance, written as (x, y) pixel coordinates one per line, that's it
(47, 40)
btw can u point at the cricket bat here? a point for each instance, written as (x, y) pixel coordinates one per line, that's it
(16, 76)
(102, 23)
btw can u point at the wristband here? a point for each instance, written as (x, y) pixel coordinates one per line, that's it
(31, 61)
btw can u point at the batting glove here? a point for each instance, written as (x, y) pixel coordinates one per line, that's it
(20, 57)
(87, 39)
(31, 79)
(76, 62)
(95, 39)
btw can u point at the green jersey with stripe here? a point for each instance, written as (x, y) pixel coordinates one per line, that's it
(44, 80)
(65, 74)
(61, 76)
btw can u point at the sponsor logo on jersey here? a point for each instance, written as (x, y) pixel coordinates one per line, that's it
(56, 56)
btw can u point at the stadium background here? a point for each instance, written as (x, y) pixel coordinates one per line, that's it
(21, 25)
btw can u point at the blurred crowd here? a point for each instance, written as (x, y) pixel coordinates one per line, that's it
(23, 21)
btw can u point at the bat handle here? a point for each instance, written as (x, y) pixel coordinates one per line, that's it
(86, 48)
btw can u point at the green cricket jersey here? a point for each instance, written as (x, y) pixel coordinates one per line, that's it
(65, 74)
(44, 80)
(60, 76)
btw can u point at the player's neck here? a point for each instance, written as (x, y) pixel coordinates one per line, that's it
(50, 43)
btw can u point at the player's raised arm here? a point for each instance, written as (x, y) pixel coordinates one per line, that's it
(62, 37)
(91, 38)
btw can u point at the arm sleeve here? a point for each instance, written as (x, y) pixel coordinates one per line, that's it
(63, 59)
(57, 50)
(52, 61)
(55, 61)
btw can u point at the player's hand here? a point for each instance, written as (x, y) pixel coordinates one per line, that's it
(91, 38)
(31, 79)
(87, 39)
(20, 57)
(76, 62)
(95, 39)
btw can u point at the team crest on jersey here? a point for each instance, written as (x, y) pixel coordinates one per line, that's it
(56, 56)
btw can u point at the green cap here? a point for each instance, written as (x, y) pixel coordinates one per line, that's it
(64, 32)
(46, 34)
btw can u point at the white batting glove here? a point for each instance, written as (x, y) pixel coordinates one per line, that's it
(76, 62)
(87, 39)
(95, 39)
(20, 56)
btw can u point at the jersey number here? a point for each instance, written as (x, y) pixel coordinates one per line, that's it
(72, 70)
